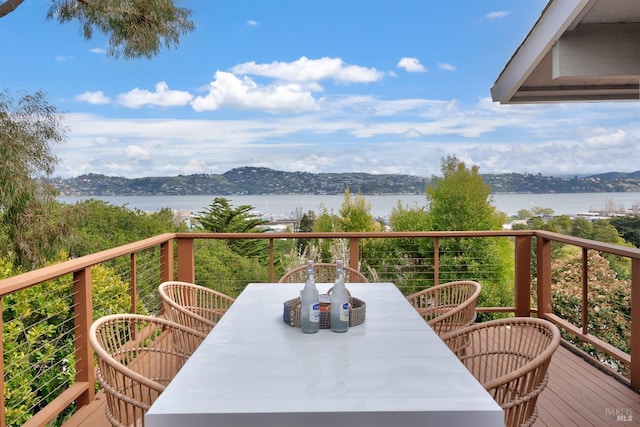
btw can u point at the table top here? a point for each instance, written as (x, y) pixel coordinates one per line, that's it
(255, 370)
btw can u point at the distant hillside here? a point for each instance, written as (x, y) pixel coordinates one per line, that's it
(253, 180)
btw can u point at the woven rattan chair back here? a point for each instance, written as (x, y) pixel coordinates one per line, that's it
(191, 305)
(137, 357)
(510, 358)
(325, 273)
(448, 306)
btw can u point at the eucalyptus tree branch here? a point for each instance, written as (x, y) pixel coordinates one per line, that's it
(9, 6)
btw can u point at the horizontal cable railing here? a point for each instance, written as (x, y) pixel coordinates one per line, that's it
(528, 273)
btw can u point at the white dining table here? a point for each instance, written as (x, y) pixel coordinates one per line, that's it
(253, 369)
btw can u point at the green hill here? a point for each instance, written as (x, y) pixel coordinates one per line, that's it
(255, 180)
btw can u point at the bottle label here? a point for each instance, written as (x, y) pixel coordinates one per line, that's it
(314, 313)
(344, 312)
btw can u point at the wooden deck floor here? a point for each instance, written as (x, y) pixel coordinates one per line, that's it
(578, 394)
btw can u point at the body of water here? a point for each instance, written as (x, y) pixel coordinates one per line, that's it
(381, 206)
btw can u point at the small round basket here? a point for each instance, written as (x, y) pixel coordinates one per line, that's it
(292, 316)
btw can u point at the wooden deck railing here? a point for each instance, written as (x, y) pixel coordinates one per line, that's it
(175, 258)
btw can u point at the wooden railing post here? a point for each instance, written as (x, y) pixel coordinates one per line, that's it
(83, 317)
(523, 276)
(186, 260)
(166, 261)
(635, 323)
(543, 266)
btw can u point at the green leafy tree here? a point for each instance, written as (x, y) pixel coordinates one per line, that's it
(561, 224)
(37, 328)
(407, 262)
(28, 128)
(628, 227)
(221, 217)
(355, 213)
(582, 228)
(609, 302)
(538, 211)
(221, 269)
(524, 214)
(306, 225)
(323, 250)
(95, 225)
(136, 28)
(459, 200)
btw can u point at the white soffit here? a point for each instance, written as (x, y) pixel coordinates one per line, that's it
(578, 50)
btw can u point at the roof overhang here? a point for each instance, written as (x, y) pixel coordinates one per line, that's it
(578, 50)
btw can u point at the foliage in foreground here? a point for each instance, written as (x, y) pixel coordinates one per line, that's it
(609, 302)
(28, 127)
(39, 357)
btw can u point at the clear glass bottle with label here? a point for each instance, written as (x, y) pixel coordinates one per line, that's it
(339, 302)
(310, 303)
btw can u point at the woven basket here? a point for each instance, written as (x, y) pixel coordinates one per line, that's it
(292, 312)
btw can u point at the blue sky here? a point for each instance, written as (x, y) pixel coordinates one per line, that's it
(377, 86)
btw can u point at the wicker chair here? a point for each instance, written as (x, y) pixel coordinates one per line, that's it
(448, 306)
(137, 357)
(510, 358)
(191, 305)
(325, 273)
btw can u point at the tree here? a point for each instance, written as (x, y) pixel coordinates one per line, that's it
(609, 302)
(28, 128)
(542, 211)
(628, 227)
(524, 214)
(408, 262)
(136, 28)
(38, 334)
(306, 225)
(95, 225)
(356, 214)
(222, 217)
(458, 201)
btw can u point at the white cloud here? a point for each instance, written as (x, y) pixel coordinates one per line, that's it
(196, 166)
(98, 50)
(602, 139)
(446, 67)
(95, 98)
(229, 91)
(64, 58)
(311, 70)
(252, 23)
(497, 14)
(136, 153)
(162, 97)
(411, 65)
(394, 136)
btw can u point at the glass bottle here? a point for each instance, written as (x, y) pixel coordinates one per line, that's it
(339, 302)
(310, 303)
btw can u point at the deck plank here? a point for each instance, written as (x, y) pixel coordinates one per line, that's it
(579, 394)
(91, 415)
